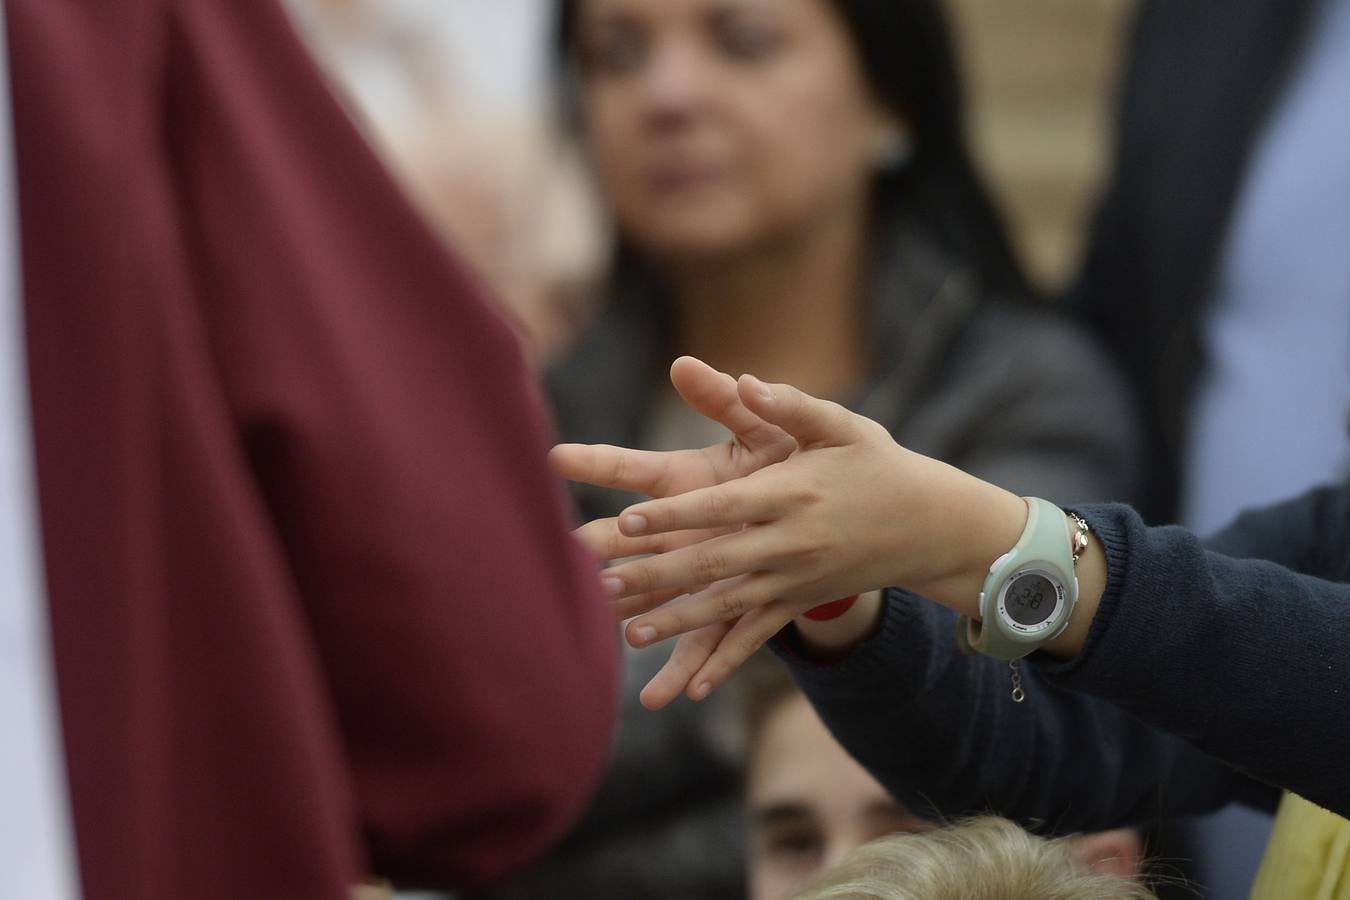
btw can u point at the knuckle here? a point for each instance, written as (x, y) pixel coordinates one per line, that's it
(745, 646)
(618, 466)
(708, 566)
(642, 579)
(717, 506)
(812, 559)
(732, 606)
(680, 621)
(663, 483)
(805, 551)
(837, 417)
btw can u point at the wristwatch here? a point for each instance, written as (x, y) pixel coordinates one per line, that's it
(1031, 590)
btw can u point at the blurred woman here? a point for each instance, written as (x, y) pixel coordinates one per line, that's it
(792, 196)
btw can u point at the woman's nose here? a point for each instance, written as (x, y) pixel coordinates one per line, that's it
(675, 83)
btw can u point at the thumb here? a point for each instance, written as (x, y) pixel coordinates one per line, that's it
(810, 420)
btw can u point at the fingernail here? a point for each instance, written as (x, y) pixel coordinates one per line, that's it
(702, 691)
(643, 635)
(613, 586)
(762, 389)
(633, 524)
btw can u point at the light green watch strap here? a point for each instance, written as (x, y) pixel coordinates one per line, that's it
(1045, 548)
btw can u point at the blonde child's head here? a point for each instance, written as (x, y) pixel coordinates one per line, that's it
(987, 858)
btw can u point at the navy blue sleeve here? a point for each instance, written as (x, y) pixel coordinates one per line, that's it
(940, 730)
(1204, 677)
(1310, 534)
(1246, 659)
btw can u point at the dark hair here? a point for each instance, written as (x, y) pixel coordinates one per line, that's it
(907, 56)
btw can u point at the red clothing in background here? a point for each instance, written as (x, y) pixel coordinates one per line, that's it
(314, 609)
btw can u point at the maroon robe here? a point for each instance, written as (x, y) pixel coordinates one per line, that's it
(314, 609)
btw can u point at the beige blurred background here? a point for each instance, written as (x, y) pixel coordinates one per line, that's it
(1040, 76)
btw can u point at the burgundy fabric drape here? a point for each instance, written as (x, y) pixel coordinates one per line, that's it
(314, 609)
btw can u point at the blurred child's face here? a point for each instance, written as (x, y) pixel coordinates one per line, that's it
(716, 126)
(810, 802)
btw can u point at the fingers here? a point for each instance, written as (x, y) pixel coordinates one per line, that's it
(685, 569)
(628, 607)
(691, 652)
(714, 394)
(723, 602)
(723, 507)
(604, 540)
(704, 659)
(810, 420)
(750, 632)
(640, 471)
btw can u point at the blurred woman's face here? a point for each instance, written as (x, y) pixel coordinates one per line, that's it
(716, 126)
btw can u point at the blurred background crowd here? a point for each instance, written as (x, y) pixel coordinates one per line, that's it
(941, 193)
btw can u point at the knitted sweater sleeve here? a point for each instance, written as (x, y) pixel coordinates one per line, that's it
(1204, 676)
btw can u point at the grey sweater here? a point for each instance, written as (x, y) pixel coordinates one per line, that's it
(1208, 675)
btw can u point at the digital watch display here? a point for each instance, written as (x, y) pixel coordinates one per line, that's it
(1030, 591)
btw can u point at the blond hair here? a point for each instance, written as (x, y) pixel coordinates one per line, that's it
(986, 858)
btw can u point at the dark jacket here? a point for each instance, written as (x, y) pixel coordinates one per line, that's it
(1209, 675)
(1201, 80)
(1001, 388)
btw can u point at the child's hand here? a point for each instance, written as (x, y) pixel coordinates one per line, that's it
(848, 511)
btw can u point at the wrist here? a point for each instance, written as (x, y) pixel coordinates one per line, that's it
(984, 527)
(1091, 572)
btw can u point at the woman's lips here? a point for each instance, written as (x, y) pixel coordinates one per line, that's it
(675, 178)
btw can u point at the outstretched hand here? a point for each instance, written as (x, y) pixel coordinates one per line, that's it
(809, 503)
(754, 444)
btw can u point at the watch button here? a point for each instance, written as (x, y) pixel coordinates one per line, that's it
(998, 562)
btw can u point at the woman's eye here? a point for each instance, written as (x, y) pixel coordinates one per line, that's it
(747, 42)
(616, 52)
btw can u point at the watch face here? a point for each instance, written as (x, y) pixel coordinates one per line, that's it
(1030, 599)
